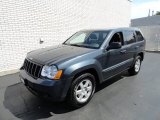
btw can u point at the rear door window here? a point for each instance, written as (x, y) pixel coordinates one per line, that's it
(129, 37)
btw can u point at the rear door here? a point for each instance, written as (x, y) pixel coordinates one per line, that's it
(140, 44)
(130, 43)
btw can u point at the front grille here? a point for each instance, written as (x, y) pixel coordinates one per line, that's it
(33, 69)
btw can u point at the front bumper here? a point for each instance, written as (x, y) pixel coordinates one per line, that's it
(55, 90)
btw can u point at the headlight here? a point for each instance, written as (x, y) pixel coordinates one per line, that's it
(51, 72)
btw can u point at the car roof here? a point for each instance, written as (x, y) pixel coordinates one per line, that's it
(112, 29)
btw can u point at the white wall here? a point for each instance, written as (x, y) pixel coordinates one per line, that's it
(24, 22)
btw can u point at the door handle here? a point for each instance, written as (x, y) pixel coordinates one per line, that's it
(123, 51)
(137, 47)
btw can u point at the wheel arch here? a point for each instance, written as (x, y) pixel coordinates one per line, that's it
(141, 54)
(92, 71)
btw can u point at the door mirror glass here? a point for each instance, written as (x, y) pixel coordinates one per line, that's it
(115, 45)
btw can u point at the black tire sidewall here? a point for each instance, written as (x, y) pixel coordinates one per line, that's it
(132, 69)
(72, 98)
(138, 57)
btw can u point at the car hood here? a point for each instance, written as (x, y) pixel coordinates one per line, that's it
(56, 54)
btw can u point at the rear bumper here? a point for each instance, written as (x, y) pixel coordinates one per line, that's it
(55, 90)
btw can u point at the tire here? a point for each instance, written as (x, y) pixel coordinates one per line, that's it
(136, 66)
(81, 90)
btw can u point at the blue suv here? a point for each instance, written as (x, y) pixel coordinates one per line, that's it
(72, 70)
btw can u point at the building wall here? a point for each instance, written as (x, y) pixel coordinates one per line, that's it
(150, 27)
(146, 21)
(152, 36)
(23, 23)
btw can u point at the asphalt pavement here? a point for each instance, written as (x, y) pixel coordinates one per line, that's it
(123, 97)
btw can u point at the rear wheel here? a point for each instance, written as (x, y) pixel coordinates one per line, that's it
(136, 67)
(81, 90)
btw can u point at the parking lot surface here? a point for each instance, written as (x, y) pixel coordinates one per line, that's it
(120, 98)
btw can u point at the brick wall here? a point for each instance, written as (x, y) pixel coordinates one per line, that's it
(24, 22)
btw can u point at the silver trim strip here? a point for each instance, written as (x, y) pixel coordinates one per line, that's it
(117, 65)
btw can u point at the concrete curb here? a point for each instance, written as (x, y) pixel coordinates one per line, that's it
(152, 51)
(3, 73)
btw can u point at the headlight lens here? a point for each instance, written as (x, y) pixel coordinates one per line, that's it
(49, 71)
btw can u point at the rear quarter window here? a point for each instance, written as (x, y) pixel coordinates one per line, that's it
(139, 36)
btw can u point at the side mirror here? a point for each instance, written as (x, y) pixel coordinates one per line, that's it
(114, 45)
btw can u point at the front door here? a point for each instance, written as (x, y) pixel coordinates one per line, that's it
(115, 59)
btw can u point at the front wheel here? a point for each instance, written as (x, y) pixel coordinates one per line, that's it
(136, 67)
(81, 90)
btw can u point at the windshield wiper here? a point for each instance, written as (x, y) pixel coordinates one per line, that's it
(82, 45)
(75, 45)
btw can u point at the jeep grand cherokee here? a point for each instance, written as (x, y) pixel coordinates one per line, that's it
(73, 70)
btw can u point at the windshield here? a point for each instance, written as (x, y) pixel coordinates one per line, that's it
(87, 39)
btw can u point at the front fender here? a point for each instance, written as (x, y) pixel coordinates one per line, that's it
(76, 68)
